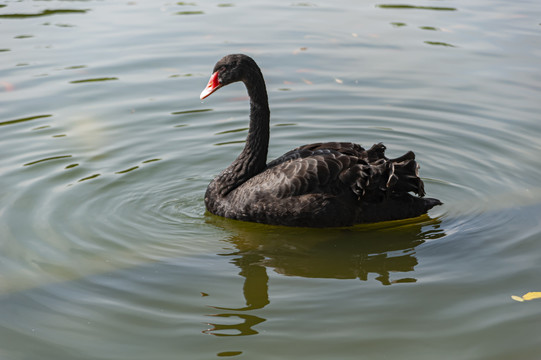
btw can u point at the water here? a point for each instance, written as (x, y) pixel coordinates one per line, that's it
(106, 251)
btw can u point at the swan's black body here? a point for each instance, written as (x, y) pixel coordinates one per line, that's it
(317, 185)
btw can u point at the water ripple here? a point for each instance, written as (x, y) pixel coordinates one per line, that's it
(93, 80)
(396, 6)
(30, 118)
(47, 159)
(43, 13)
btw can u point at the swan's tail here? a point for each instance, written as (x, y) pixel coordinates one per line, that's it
(382, 178)
(404, 175)
(384, 187)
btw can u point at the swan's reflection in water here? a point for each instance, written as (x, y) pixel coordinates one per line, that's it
(385, 250)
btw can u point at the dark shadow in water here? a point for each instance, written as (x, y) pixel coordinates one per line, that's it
(383, 250)
(256, 296)
(241, 329)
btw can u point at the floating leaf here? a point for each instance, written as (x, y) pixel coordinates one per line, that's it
(528, 296)
(532, 295)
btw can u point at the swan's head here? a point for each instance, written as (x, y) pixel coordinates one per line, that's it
(229, 69)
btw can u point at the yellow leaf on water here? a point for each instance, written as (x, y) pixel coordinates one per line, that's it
(517, 298)
(532, 295)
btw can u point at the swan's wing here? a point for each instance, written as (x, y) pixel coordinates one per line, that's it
(332, 168)
(305, 171)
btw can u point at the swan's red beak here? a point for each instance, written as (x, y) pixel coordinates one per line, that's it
(212, 86)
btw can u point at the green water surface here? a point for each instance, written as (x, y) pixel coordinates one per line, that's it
(106, 251)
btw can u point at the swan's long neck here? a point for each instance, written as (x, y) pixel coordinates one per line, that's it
(253, 158)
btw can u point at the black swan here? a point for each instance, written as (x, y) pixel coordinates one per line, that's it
(318, 185)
